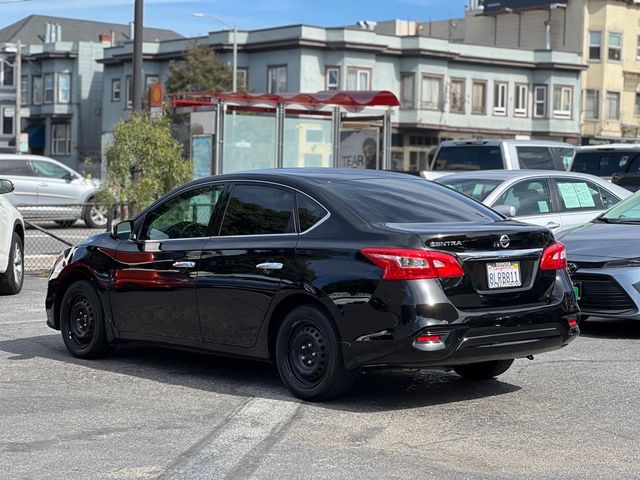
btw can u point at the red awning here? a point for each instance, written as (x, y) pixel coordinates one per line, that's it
(347, 99)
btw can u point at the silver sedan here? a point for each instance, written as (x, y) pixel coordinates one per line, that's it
(557, 200)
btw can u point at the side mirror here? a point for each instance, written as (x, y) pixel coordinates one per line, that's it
(6, 186)
(68, 177)
(122, 230)
(506, 210)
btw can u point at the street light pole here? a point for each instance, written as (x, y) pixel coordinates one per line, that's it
(137, 56)
(234, 32)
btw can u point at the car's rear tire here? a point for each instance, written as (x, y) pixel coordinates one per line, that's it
(309, 355)
(65, 223)
(11, 281)
(82, 323)
(484, 370)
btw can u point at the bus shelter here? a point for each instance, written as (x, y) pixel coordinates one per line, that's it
(233, 132)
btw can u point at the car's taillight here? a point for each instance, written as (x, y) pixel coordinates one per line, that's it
(409, 264)
(554, 257)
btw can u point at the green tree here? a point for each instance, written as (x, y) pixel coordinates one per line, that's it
(143, 163)
(200, 71)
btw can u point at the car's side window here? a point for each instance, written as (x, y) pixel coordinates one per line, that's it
(635, 165)
(608, 198)
(537, 158)
(259, 210)
(185, 216)
(19, 168)
(579, 195)
(49, 170)
(310, 212)
(529, 197)
(566, 156)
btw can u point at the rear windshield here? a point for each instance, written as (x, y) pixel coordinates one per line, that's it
(475, 157)
(409, 200)
(474, 188)
(602, 163)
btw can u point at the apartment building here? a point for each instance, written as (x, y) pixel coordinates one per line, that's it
(7, 97)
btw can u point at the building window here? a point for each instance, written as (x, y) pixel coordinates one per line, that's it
(638, 48)
(128, 92)
(408, 90)
(595, 45)
(500, 91)
(332, 78)
(6, 71)
(64, 87)
(277, 79)
(562, 102)
(612, 107)
(521, 106)
(61, 139)
(358, 78)
(7, 121)
(115, 90)
(479, 98)
(242, 79)
(615, 46)
(591, 105)
(431, 93)
(540, 101)
(637, 106)
(24, 90)
(457, 96)
(36, 90)
(48, 88)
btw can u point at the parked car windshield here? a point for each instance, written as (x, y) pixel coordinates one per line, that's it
(602, 163)
(480, 157)
(473, 187)
(627, 211)
(409, 200)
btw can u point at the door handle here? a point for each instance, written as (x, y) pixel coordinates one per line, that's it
(553, 225)
(43, 185)
(269, 266)
(184, 264)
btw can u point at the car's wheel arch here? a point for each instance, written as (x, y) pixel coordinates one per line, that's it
(18, 228)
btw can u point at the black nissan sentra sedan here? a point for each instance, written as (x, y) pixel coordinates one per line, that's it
(322, 272)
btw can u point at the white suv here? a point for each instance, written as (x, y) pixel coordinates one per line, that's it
(11, 243)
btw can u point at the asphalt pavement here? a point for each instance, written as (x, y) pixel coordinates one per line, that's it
(147, 413)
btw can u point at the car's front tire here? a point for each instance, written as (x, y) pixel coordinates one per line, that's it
(82, 322)
(95, 215)
(11, 281)
(309, 355)
(484, 370)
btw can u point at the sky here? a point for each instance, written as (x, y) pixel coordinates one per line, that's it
(245, 14)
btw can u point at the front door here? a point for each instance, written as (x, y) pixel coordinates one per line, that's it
(153, 285)
(244, 266)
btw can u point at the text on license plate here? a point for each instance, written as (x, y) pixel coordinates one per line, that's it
(504, 275)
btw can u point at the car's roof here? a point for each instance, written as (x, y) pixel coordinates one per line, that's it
(17, 156)
(609, 147)
(492, 142)
(514, 174)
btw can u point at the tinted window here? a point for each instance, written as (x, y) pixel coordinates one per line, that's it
(408, 200)
(530, 197)
(478, 188)
(539, 158)
(480, 157)
(184, 216)
(602, 164)
(15, 167)
(309, 212)
(566, 155)
(579, 195)
(259, 210)
(49, 170)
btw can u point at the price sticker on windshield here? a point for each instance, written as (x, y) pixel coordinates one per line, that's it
(504, 275)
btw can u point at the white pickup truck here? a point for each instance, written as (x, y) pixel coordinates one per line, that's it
(11, 244)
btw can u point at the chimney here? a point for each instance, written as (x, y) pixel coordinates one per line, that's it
(105, 38)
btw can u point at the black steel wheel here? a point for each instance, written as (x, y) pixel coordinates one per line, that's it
(82, 322)
(309, 355)
(484, 370)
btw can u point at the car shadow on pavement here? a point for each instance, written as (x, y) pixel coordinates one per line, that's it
(610, 328)
(372, 392)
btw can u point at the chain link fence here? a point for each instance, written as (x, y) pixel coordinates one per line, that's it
(50, 229)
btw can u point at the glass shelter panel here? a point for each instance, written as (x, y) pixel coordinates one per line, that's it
(307, 142)
(249, 141)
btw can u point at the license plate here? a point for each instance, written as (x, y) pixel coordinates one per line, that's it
(577, 289)
(504, 275)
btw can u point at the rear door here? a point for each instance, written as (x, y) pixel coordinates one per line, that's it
(580, 201)
(56, 184)
(243, 267)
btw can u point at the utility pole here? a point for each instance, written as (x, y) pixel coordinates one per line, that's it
(18, 84)
(137, 56)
